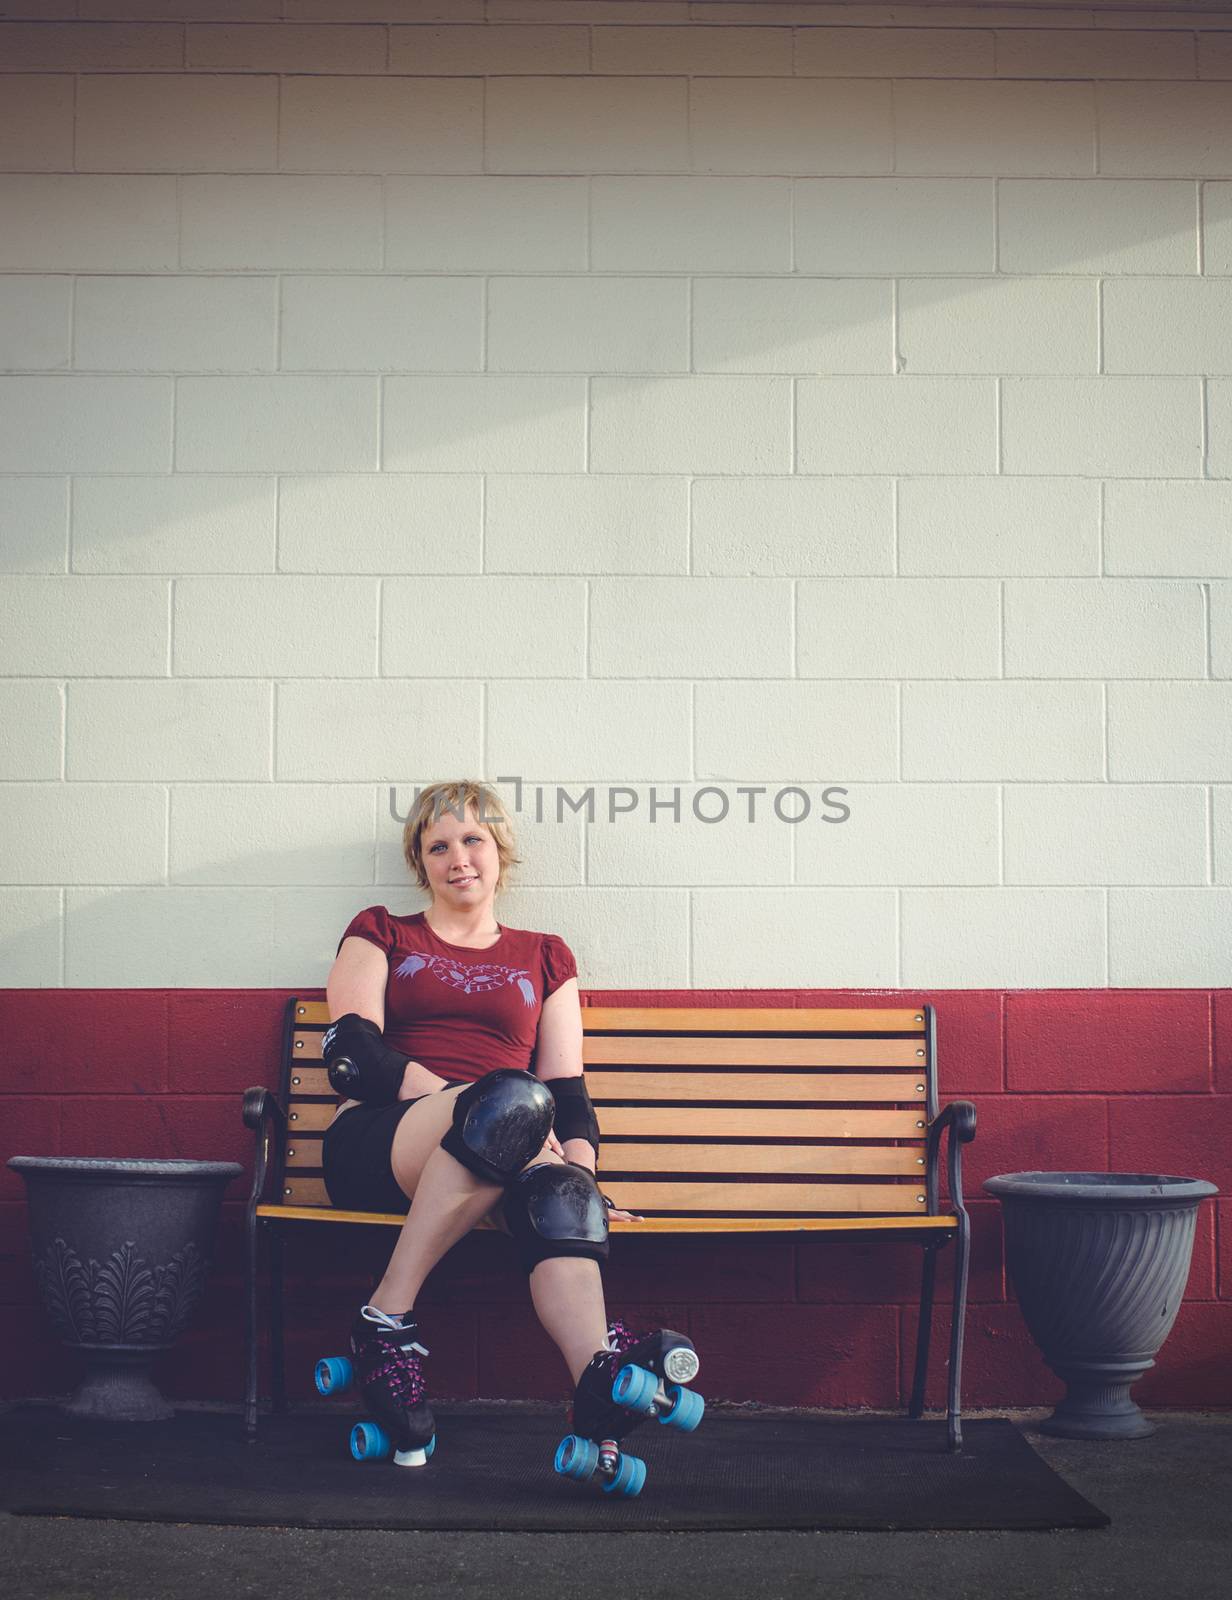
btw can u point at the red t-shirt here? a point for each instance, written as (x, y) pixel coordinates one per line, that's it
(460, 1012)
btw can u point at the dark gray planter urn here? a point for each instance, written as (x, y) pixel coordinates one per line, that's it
(1099, 1263)
(121, 1251)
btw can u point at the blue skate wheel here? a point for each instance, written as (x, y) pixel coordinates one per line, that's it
(430, 1447)
(630, 1476)
(370, 1443)
(688, 1407)
(334, 1374)
(576, 1457)
(635, 1389)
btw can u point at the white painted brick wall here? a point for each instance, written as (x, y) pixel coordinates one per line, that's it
(681, 402)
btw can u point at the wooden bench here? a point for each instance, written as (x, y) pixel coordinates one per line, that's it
(713, 1120)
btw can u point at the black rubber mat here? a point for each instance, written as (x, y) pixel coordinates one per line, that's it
(493, 1470)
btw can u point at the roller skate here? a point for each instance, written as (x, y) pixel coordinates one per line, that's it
(639, 1375)
(385, 1362)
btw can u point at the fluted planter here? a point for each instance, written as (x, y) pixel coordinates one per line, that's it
(1099, 1263)
(121, 1251)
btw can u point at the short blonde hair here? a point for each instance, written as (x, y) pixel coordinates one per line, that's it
(457, 797)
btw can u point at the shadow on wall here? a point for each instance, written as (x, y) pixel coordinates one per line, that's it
(588, 428)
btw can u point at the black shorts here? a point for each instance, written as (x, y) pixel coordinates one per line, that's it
(355, 1158)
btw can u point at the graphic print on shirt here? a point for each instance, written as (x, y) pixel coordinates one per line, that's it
(470, 980)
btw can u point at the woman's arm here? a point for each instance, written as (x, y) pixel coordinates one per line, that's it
(581, 1152)
(357, 983)
(558, 1054)
(418, 1080)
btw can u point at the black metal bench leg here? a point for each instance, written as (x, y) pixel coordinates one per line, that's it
(276, 1327)
(924, 1331)
(250, 1335)
(958, 1318)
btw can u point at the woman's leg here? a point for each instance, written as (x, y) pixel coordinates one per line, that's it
(447, 1200)
(568, 1296)
(567, 1293)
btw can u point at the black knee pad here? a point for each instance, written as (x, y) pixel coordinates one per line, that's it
(500, 1123)
(361, 1065)
(556, 1210)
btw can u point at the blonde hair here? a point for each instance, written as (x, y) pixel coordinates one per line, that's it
(456, 797)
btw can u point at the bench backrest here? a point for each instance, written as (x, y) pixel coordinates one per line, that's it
(711, 1114)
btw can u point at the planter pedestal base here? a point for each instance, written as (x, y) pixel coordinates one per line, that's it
(118, 1386)
(1097, 1403)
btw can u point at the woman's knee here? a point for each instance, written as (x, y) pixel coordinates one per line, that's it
(546, 1154)
(554, 1208)
(418, 1134)
(499, 1124)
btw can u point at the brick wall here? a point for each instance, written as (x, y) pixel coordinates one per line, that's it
(1118, 1081)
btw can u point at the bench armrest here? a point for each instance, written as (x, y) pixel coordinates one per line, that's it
(957, 1120)
(261, 1112)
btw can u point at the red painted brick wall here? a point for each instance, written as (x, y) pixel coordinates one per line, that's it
(1114, 1080)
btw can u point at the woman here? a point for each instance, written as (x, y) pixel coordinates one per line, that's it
(441, 1017)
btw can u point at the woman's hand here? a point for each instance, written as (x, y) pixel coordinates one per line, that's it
(581, 1153)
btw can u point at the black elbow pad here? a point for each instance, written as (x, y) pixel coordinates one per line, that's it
(361, 1065)
(575, 1116)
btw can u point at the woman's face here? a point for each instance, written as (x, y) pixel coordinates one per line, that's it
(460, 860)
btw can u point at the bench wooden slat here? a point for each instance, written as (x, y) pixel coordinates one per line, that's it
(311, 1115)
(757, 1087)
(309, 1080)
(752, 1122)
(741, 1198)
(291, 1213)
(738, 1198)
(720, 1051)
(892, 1089)
(813, 1160)
(686, 1051)
(297, 1191)
(753, 1019)
(781, 1224)
(743, 1019)
(716, 1122)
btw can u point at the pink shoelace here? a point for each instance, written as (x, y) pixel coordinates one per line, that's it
(620, 1337)
(399, 1362)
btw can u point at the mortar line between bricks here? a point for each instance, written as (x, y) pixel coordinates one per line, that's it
(1200, 204)
(1212, 1040)
(1003, 1036)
